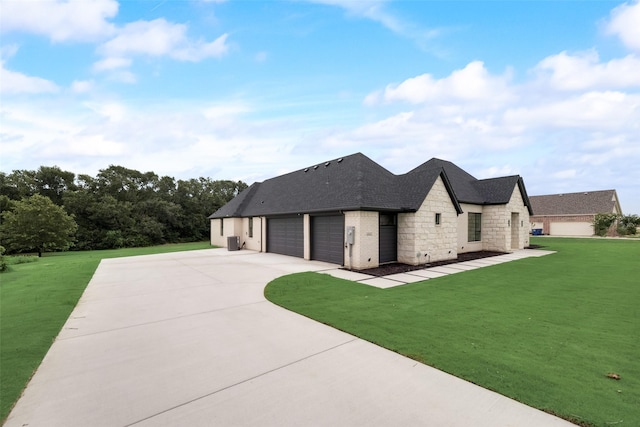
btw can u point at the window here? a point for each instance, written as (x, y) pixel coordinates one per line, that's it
(251, 227)
(438, 217)
(387, 219)
(475, 227)
(222, 226)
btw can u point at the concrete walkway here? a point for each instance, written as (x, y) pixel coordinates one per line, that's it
(187, 339)
(433, 272)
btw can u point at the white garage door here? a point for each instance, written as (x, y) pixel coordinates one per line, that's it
(571, 229)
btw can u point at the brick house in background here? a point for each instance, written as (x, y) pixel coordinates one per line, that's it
(353, 212)
(572, 214)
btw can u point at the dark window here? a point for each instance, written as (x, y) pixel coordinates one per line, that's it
(251, 227)
(387, 219)
(222, 226)
(475, 227)
(438, 217)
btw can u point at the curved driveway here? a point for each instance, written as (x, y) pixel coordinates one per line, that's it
(187, 339)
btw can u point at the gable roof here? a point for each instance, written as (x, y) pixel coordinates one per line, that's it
(582, 203)
(356, 182)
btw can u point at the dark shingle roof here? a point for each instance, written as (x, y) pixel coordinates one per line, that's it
(356, 182)
(584, 203)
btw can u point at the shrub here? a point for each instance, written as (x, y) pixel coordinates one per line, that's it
(628, 224)
(602, 223)
(3, 262)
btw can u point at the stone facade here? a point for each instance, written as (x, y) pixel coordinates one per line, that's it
(420, 239)
(366, 248)
(506, 227)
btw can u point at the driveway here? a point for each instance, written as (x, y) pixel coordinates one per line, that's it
(187, 339)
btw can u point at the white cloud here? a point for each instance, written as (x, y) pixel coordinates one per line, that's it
(81, 86)
(625, 23)
(111, 63)
(158, 38)
(608, 110)
(178, 139)
(112, 111)
(60, 20)
(472, 83)
(584, 71)
(14, 82)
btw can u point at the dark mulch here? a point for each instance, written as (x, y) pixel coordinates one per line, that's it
(396, 267)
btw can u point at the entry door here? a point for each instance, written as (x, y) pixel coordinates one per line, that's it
(388, 245)
(515, 230)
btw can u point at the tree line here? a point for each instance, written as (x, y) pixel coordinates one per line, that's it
(117, 208)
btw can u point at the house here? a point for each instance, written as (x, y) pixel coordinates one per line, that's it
(351, 211)
(572, 214)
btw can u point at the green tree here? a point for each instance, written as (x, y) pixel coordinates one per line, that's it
(36, 223)
(18, 184)
(53, 182)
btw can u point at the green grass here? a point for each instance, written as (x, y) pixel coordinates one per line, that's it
(544, 331)
(36, 299)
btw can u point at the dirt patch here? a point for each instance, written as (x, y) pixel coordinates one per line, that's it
(396, 267)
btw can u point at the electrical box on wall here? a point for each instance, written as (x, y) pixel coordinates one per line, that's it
(351, 235)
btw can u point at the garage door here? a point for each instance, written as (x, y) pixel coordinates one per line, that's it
(571, 229)
(286, 236)
(327, 238)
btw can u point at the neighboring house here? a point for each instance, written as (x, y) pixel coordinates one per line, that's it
(351, 211)
(571, 214)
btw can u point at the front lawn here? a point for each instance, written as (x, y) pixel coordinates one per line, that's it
(36, 299)
(545, 331)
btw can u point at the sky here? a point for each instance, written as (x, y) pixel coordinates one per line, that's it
(249, 89)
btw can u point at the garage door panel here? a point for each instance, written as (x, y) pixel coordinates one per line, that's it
(327, 238)
(285, 236)
(571, 229)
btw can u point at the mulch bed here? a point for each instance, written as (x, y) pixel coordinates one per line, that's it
(396, 267)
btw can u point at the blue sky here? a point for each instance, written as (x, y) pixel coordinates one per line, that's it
(248, 90)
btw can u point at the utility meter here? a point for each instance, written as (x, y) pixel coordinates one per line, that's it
(351, 235)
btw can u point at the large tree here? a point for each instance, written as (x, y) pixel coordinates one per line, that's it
(36, 223)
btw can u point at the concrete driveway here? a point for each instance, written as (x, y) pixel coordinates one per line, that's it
(187, 339)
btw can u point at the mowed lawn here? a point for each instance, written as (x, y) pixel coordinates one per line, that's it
(545, 331)
(35, 301)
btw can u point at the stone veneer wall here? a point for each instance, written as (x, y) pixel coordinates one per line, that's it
(365, 251)
(497, 230)
(420, 240)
